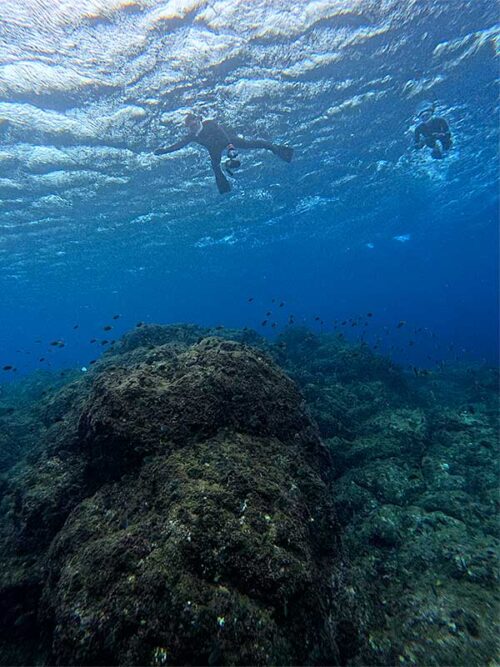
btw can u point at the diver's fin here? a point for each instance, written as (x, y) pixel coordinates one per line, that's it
(223, 184)
(283, 152)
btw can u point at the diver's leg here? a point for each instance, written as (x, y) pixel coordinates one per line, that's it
(222, 182)
(437, 151)
(446, 141)
(283, 152)
(435, 145)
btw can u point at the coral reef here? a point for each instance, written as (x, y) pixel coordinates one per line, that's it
(416, 490)
(21, 424)
(187, 502)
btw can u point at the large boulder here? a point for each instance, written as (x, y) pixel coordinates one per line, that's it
(172, 401)
(181, 513)
(220, 553)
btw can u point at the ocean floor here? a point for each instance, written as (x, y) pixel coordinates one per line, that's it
(206, 497)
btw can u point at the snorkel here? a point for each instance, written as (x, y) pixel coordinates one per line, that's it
(425, 111)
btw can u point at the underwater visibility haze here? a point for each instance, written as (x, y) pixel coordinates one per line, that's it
(249, 335)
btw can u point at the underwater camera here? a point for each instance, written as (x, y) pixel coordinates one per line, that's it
(232, 162)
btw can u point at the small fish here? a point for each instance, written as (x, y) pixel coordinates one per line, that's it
(274, 325)
(369, 314)
(116, 317)
(317, 319)
(342, 324)
(54, 343)
(250, 299)
(93, 340)
(104, 342)
(61, 344)
(263, 323)
(76, 326)
(93, 361)
(401, 323)
(139, 324)
(411, 343)
(282, 304)
(8, 367)
(108, 327)
(273, 300)
(42, 359)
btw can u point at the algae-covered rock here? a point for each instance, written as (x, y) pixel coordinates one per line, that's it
(178, 506)
(416, 490)
(215, 384)
(219, 554)
(179, 512)
(181, 335)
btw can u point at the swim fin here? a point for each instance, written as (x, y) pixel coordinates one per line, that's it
(283, 152)
(223, 184)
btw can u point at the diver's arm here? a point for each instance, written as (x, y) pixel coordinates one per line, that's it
(174, 147)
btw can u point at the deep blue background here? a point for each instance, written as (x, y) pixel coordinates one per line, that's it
(303, 232)
(445, 281)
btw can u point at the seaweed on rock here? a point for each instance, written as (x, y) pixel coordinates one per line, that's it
(416, 490)
(180, 513)
(177, 505)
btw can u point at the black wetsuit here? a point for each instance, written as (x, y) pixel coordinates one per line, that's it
(427, 134)
(215, 139)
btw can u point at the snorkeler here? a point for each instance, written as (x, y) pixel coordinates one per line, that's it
(432, 131)
(216, 139)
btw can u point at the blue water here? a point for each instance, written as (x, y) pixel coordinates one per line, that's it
(93, 225)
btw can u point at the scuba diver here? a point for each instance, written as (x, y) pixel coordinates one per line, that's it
(432, 131)
(216, 139)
